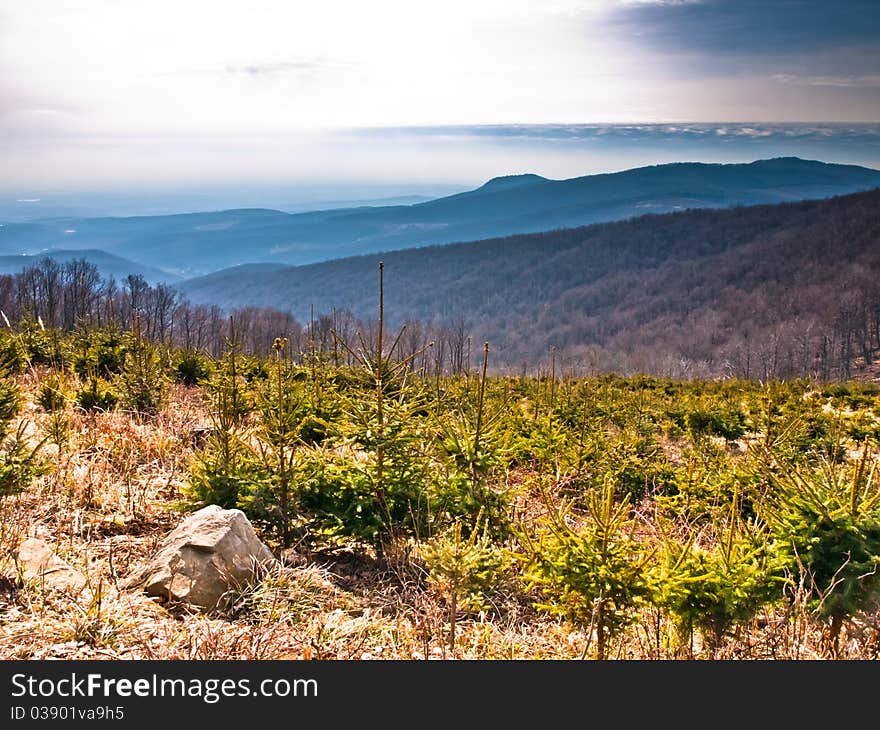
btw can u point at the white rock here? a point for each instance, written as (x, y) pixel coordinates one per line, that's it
(211, 552)
(38, 562)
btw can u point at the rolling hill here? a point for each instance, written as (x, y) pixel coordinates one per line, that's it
(197, 243)
(697, 284)
(107, 264)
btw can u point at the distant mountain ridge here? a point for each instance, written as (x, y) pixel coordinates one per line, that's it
(197, 243)
(704, 283)
(508, 182)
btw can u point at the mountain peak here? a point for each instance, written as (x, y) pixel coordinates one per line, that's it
(786, 161)
(507, 182)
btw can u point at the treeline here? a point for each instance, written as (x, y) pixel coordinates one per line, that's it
(73, 297)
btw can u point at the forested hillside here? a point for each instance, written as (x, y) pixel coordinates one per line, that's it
(756, 292)
(762, 291)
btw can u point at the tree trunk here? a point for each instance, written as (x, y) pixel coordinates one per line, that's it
(831, 637)
(600, 633)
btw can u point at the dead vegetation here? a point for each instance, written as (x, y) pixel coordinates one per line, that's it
(115, 488)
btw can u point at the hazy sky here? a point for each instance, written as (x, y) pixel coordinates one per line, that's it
(101, 92)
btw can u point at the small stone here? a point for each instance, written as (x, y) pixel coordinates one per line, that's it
(37, 561)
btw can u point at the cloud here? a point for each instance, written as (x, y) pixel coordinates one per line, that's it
(14, 101)
(151, 83)
(867, 133)
(786, 59)
(660, 2)
(458, 154)
(865, 81)
(29, 116)
(740, 27)
(279, 68)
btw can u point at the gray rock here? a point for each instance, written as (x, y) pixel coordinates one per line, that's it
(211, 552)
(38, 562)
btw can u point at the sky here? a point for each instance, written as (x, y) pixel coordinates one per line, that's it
(97, 94)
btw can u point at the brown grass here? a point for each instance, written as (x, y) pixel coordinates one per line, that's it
(116, 489)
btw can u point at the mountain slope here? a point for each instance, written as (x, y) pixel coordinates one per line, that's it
(694, 282)
(203, 242)
(107, 264)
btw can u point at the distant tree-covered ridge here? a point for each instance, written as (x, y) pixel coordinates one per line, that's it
(758, 291)
(193, 244)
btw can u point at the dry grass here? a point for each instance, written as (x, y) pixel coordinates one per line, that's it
(115, 490)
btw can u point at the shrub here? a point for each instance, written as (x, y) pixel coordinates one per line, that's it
(13, 358)
(282, 406)
(10, 403)
(475, 448)
(729, 424)
(40, 345)
(593, 574)
(98, 395)
(191, 368)
(143, 386)
(20, 462)
(712, 587)
(339, 490)
(826, 523)
(53, 395)
(100, 352)
(222, 471)
(464, 570)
